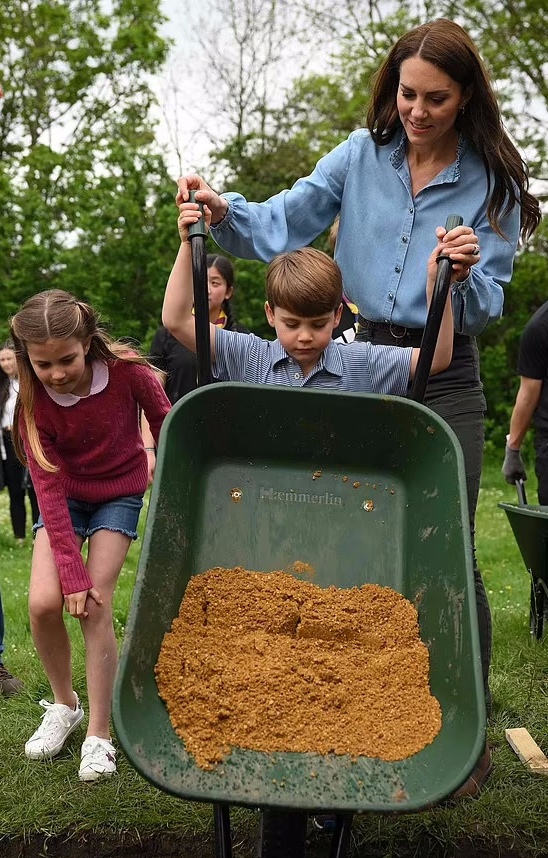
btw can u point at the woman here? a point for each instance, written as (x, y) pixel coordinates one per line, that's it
(434, 145)
(15, 475)
(169, 355)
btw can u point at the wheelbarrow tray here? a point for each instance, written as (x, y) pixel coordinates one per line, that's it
(261, 477)
(529, 523)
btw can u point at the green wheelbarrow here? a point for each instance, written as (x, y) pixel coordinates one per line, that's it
(237, 484)
(529, 523)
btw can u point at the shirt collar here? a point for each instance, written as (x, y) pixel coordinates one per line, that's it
(99, 381)
(330, 361)
(451, 173)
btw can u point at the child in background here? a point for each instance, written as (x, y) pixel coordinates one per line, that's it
(77, 426)
(304, 292)
(178, 362)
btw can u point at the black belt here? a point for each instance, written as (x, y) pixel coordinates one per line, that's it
(388, 333)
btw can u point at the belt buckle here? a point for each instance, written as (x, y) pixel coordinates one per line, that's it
(397, 336)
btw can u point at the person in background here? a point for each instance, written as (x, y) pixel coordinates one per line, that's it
(178, 362)
(531, 405)
(434, 146)
(9, 684)
(15, 475)
(76, 424)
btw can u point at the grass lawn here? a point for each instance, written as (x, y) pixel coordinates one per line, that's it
(45, 803)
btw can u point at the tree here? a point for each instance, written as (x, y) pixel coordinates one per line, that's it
(80, 173)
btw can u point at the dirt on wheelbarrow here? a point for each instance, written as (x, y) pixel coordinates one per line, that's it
(177, 845)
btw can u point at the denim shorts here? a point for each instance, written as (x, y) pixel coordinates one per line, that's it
(120, 515)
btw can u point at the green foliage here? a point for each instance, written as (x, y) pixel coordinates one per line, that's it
(83, 189)
(499, 343)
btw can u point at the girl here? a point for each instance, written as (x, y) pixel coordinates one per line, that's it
(178, 362)
(77, 426)
(15, 475)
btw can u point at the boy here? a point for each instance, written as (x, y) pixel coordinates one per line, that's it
(304, 305)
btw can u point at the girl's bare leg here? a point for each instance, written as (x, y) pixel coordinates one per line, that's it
(106, 554)
(46, 620)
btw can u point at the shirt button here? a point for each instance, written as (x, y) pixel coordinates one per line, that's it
(404, 239)
(297, 375)
(391, 295)
(397, 269)
(410, 209)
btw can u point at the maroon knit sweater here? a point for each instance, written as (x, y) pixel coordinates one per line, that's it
(96, 443)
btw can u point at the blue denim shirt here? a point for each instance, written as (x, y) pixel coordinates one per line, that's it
(386, 235)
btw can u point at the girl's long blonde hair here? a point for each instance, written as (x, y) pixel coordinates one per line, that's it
(56, 315)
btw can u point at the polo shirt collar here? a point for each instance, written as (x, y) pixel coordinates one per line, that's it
(330, 361)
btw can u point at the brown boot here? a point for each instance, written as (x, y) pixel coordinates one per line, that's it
(473, 786)
(9, 684)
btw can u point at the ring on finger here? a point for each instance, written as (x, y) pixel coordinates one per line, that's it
(476, 250)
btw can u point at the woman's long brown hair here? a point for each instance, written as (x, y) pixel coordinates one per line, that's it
(447, 46)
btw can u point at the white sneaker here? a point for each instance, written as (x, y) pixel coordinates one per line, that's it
(58, 722)
(98, 759)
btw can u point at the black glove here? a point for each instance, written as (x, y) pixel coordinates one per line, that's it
(513, 468)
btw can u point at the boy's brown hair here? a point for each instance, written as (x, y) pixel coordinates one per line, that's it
(305, 282)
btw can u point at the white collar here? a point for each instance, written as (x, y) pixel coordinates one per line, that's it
(99, 380)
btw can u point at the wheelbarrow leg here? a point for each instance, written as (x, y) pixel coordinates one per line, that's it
(282, 834)
(538, 608)
(341, 836)
(221, 819)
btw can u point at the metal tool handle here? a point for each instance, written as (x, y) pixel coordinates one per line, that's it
(520, 488)
(433, 320)
(197, 233)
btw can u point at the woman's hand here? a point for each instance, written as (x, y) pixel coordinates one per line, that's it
(190, 213)
(462, 246)
(75, 603)
(204, 194)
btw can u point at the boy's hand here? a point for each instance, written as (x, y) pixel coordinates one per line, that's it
(75, 603)
(462, 245)
(204, 194)
(190, 213)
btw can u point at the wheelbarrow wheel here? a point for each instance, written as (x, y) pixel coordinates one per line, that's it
(282, 834)
(539, 608)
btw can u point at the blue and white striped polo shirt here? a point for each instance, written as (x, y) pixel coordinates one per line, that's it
(357, 367)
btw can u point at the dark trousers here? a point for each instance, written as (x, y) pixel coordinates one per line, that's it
(13, 478)
(457, 396)
(541, 468)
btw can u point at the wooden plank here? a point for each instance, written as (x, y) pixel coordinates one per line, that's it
(521, 741)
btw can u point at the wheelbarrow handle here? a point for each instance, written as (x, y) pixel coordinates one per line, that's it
(197, 234)
(433, 320)
(520, 488)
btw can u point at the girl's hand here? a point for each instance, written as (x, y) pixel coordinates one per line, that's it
(151, 465)
(190, 213)
(462, 246)
(206, 195)
(75, 603)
